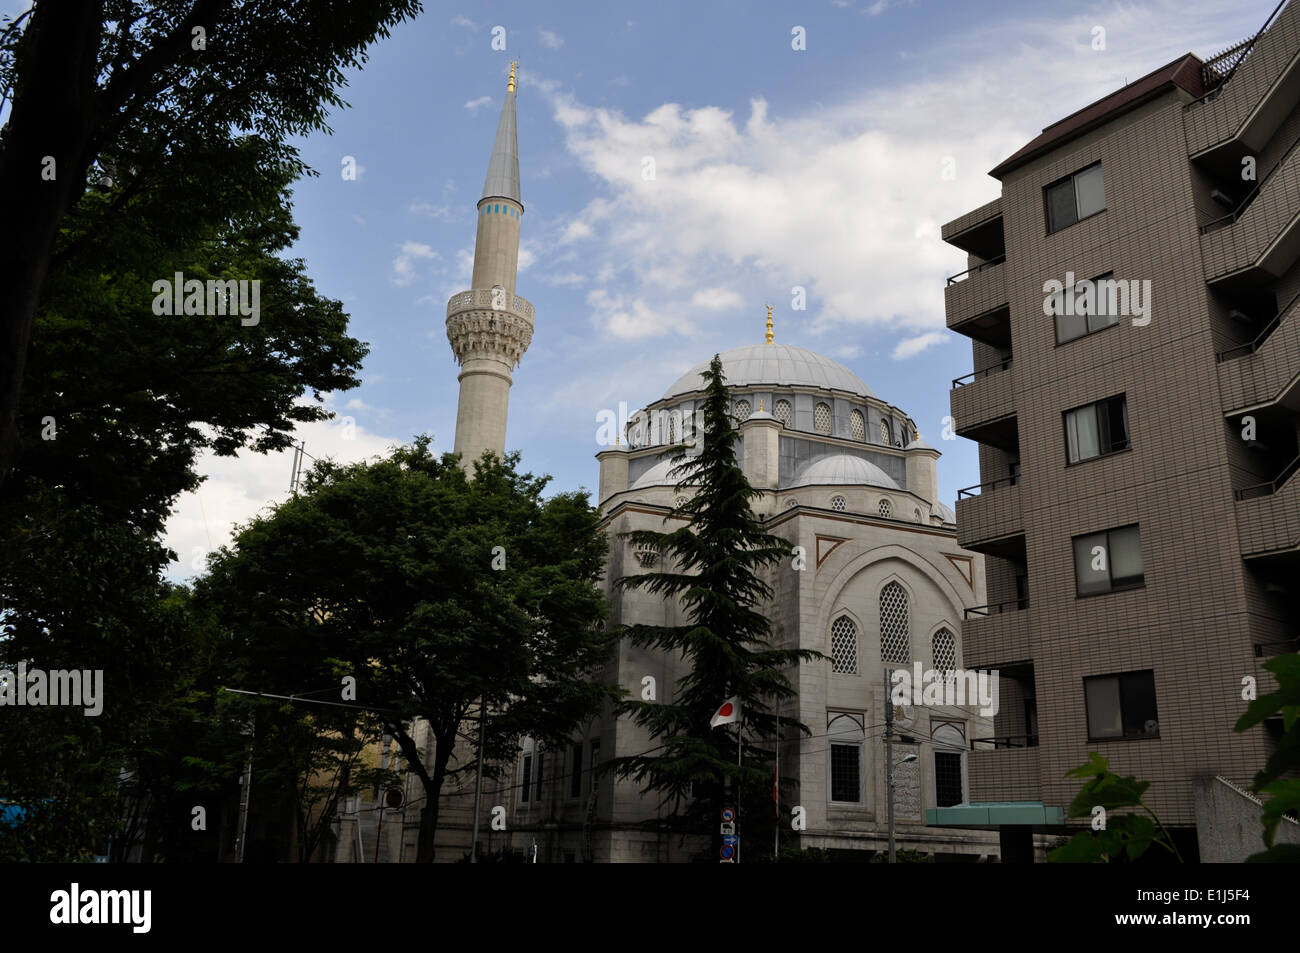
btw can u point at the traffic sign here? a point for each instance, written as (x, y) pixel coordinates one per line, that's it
(730, 839)
(728, 814)
(727, 852)
(728, 828)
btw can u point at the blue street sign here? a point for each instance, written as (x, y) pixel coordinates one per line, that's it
(730, 839)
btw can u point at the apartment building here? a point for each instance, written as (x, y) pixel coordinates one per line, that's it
(1131, 303)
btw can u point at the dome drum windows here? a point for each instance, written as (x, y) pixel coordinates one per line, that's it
(822, 418)
(838, 504)
(885, 509)
(742, 410)
(783, 412)
(858, 426)
(886, 436)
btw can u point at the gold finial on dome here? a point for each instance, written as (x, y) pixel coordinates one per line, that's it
(769, 324)
(510, 86)
(760, 405)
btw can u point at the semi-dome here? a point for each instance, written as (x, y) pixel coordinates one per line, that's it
(843, 469)
(657, 475)
(778, 364)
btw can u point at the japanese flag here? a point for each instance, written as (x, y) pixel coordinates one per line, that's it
(727, 713)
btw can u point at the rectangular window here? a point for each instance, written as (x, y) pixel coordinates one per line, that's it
(540, 756)
(575, 781)
(1108, 561)
(1088, 306)
(1121, 706)
(1075, 197)
(947, 778)
(595, 760)
(846, 773)
(1096, 429)
(528, 775)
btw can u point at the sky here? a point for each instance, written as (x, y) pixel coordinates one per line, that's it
(775, 168)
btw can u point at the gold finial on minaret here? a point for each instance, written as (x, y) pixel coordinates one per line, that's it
(510, 86)
(769, 324)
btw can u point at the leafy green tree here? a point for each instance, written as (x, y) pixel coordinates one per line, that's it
(434, 592)
(1127, 835)
(714, 565)
(135, 89)
(1281, 793)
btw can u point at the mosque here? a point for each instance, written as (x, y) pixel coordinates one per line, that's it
(845, 476)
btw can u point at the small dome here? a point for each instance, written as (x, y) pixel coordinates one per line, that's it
(946, 512)
(779, 364)
(843, 469)
(657, 475)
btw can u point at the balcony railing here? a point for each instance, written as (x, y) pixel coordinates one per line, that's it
(1272, 486)
(1224, 221)
(1005, 741)
(975, 375)
(963, 275)
(997, 608)
(973, 491)
(1243, 349)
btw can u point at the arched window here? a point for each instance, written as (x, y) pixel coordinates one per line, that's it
(895, 645)
(884, 432)
(945, 653)
(791, 504)
(680, 502)
(916, 516)
(525, 788)
(845, 738)
(857, 426)
(837, 504)
(822, 418)
(782, 411)
(844, 646)
(672, 430)
(885, 509)
(949, 742)
(742, 410)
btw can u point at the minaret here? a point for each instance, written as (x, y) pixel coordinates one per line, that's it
(490, 326)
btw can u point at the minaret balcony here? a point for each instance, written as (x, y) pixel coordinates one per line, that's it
(489, 323)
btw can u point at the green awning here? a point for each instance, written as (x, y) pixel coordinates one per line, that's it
(994, 814)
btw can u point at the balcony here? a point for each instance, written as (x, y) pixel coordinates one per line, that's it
(983, 406)
(1254, 88)
(1003, 773)
(989, 518)
(978, 233)
(1268, 516)
(975, 293)
(1255, 374)
(1263, 233)
(994, 633)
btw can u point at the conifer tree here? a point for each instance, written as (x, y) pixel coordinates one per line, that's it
(714, 565)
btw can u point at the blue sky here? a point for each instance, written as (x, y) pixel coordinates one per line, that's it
(820, 168)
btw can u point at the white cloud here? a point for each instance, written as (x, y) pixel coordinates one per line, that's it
(429, 210)
(550, 40)
(629, 317)
(474, 105)
(715, 299)
(239, 488)
(910, 347)
(461, 20)
(404, 264)
(568, 279)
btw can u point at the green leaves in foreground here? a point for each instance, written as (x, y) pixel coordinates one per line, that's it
(1281, 795)
(1127, 835)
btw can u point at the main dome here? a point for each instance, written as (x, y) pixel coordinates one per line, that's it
(779, 364)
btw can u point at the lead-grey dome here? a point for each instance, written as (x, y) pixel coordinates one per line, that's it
(778, 364)
(842, 469)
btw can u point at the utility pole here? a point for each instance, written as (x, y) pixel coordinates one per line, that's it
(776, 790)
(740, 733)
(889, 762)
(246, 794)
(478, 784)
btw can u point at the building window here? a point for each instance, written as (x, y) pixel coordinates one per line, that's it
(742, 410)
(1095, 430)
(1089, 306)
(885, 509)
(945, 653)
(844, 646)
(884, 433)
(528, 777)
(595, 761)
(845, 736)
(680, 502)
(782, 411)
(949, 742)
(575, 780)
(540, 757)
(1075, 197)
(1122, 706)
(916, 516)
(837, 504)
(791, 504)
(857, 426)
(1108, 561)
(822, 418)
(894, 642)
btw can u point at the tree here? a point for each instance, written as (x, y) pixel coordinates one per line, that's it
(1272, 782)
(716, 561)
(133, 87)
(433, 592)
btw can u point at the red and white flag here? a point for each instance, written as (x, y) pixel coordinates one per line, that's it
(728, 712)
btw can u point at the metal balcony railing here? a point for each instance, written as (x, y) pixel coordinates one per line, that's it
(1005, 741)
(997, 608)
(963, 275)
(1272, 486)
(975, 375)
(1223, 221)
(973, 491)
(1242, 350)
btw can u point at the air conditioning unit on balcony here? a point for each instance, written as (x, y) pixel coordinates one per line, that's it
(1222, 198)
(1241, 316)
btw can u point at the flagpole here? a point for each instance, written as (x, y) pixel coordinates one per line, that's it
(740, 731)
(776, 790)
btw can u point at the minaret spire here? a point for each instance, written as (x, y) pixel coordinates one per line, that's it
(489, 326)
(769, 324)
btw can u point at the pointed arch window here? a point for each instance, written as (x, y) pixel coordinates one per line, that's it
(895, 643)
(945, 653)
(844, 646)
(822, 418)
(884, 433)
(782, 411)
(857, 426)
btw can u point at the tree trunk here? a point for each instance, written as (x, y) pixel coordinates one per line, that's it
(52, 118)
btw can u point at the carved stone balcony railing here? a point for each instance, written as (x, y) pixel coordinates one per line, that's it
(489, 323)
